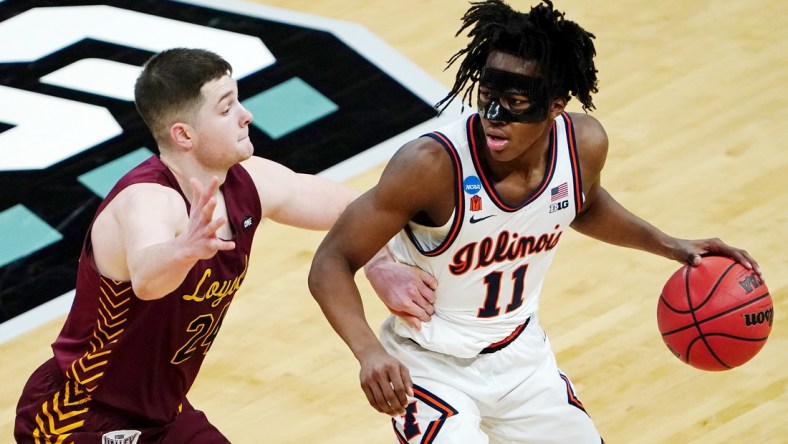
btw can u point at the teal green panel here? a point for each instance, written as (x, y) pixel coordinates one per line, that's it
(287, 107)
(22, 233)
(100, 180)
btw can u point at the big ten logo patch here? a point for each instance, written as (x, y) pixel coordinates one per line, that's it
(69, 129)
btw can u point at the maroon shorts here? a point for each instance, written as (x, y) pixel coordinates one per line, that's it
(54, 407)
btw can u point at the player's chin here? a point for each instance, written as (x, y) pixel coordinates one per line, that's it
(246, 148)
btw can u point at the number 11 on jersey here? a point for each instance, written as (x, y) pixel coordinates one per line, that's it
(490, 308)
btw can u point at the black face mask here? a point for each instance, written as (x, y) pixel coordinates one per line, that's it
(503, 107)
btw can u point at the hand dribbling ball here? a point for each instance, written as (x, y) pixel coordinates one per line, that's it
(715, 316)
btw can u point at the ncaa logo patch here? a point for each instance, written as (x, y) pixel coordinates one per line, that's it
(69, 129)
(472, 185)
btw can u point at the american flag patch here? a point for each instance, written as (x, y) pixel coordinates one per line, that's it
(559, 192)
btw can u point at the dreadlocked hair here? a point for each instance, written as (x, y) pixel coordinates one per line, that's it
(563, 50)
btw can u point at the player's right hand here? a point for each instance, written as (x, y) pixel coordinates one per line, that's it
(386, 382)
(200, 235)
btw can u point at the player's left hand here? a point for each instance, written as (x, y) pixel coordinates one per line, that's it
(692, 252)
(407, 291)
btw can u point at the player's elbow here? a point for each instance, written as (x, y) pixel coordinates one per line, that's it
(317, 276)
(327, 267)
(150, 288)
(144, 291)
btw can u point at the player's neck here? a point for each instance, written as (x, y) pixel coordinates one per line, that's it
(184, 168)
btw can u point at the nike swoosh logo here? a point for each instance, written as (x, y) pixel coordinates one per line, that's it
(474, 220)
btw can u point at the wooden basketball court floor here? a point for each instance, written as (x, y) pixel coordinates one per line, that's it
(693, 95)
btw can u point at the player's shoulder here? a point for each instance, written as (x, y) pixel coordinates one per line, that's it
(423, 158)
(588, 130)
(271, 179)
(141, 192)
(144, 200)
(256, 163)
(591, 138)
(422, 151)
(421, 170)
(261, 168)
(146, 197)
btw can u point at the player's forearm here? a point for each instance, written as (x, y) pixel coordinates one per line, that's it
(159, 269)
(333, 287)
(610, 222)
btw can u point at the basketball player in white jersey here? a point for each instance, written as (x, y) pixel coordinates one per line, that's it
(484, 203)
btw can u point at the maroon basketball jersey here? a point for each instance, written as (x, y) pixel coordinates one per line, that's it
(143, 356)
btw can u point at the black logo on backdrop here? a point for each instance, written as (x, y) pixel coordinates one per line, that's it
(372, 108)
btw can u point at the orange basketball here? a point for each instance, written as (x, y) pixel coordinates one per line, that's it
(715, 316)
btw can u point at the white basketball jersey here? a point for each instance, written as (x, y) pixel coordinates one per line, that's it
(491, 258)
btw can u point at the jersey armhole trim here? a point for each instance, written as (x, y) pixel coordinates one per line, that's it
(459, 200)
(574, 160)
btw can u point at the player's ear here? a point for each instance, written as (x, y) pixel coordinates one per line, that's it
(557, 106)
(181, 134)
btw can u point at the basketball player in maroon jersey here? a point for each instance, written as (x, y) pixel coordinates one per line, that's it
(482, 370)
(164, 257)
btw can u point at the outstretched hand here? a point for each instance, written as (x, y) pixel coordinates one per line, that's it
(407, 291)
(200, 236)
(692, 251)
